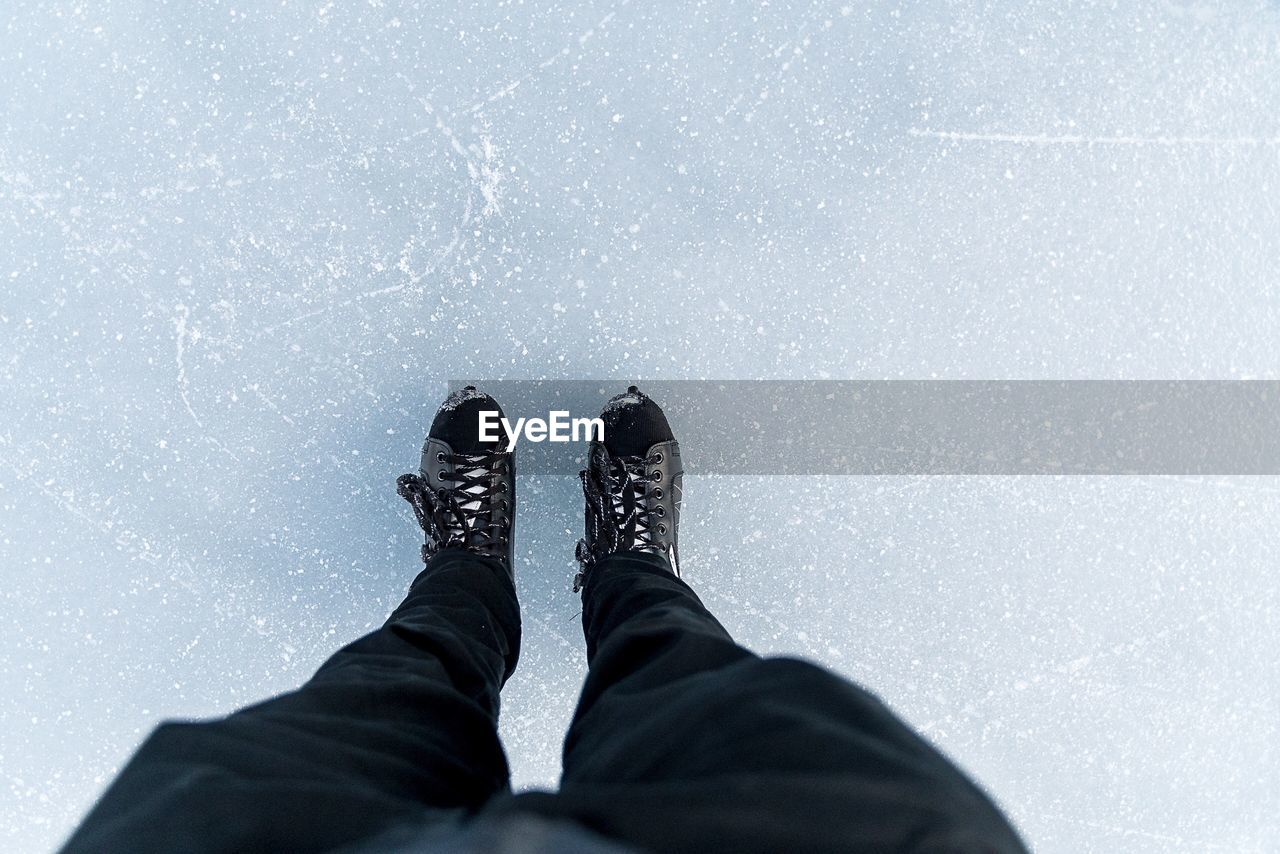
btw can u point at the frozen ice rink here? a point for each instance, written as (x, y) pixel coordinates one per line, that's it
(244, 245)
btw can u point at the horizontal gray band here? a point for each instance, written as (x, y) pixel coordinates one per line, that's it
(802, 427)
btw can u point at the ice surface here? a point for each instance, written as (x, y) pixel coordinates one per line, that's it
(243, 246)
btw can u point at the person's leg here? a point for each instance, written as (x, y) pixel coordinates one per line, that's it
(685, 741)
(396, 725)
(399, 728)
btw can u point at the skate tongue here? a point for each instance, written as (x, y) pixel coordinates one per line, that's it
(634, 481)
(475, 471)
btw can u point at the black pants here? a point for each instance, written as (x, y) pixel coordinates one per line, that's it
(682, 741)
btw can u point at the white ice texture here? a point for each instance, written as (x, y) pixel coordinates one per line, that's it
(244, 245)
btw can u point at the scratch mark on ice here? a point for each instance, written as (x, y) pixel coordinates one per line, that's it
(582, 38)
(180, 323)
(1123, 831)
(310, 314)
(442, 256)
(575, 650)
(1085, 140)
(127, 540)
(271, 404)
(184, 384)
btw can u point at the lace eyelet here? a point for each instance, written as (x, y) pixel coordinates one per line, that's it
(439, 456)
(657, 493)
(655, 476)
(662, 529)
(657, 458)
(504, 505)
(661, 511)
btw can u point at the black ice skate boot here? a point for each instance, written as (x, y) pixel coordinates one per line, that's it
(464, 493)
(632, 485)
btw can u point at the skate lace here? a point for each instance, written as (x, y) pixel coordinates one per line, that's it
(616, 489)
(461, 514)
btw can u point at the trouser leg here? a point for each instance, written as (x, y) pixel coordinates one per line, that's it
(400, 725)
(685, 741)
